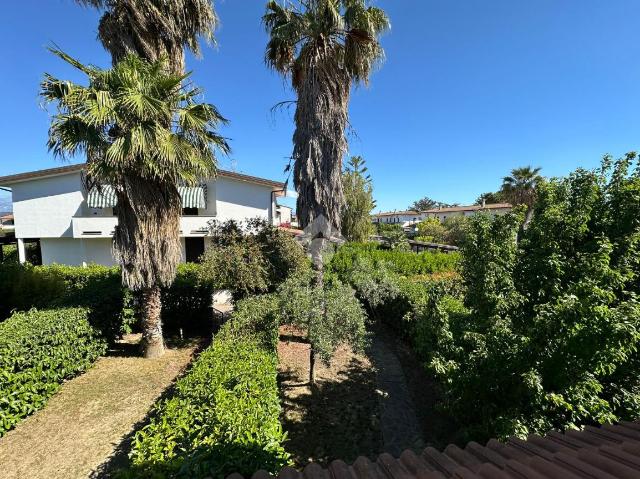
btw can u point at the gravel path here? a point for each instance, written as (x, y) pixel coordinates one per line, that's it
(84, 423)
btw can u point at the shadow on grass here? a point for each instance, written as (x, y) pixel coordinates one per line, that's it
(337, 418)
(119, 458)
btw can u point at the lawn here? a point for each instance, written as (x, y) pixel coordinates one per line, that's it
(84, 428)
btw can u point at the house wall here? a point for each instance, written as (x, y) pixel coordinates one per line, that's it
(240, 199)
(43, 207)
(75, 252)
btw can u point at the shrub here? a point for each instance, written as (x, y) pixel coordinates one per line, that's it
(186, 304)
(224, 414)
(403, 262)
(552, 335)
(250, 257)
(38, 351)
(96, 287)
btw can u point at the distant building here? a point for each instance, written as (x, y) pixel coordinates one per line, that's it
(402, 218)
(408, 219)
(444, 213)
(283, 216)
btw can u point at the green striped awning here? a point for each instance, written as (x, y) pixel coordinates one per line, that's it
(105, 197)
(193, 196)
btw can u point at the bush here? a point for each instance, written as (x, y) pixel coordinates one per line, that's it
(224, 414)
(250, 257)
(38, 351)
(403, 262)
(96, 287)
(186, 304)
(552, 332)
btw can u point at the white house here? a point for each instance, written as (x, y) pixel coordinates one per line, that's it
(75, 226)
(402, 218)
(444, 213)
(283, 215)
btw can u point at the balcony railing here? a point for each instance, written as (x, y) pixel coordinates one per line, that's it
(104, 226)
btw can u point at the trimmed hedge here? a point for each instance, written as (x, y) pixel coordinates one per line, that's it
(224, 414)
(38, 351)
(405, 263)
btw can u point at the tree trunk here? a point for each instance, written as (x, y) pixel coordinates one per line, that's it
(152, 342)
(312, 366)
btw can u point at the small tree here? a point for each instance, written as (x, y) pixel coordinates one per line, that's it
(359, 202)
(330, 315)
(490, 198)
(431, 229)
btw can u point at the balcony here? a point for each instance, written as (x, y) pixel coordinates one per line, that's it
(104, 226)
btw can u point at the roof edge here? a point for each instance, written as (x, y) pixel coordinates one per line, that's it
(63, 170)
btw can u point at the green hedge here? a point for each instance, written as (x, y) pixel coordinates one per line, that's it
(185, 304)
(402, 262)
(224, 414)
(38, 351)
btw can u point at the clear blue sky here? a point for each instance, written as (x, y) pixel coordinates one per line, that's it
(470, 89)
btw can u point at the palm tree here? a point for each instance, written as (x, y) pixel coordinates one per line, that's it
(142, 133)
(154, 29)
(520, 187)
(325, 46)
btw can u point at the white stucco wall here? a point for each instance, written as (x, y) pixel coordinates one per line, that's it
(76, 251)
(240, 199)
(43, 208)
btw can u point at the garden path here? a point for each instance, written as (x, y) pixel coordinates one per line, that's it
(360, 406)
(85, 424)
(398, 420)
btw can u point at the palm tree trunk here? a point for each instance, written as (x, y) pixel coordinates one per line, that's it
(312, 366)
(152, 343)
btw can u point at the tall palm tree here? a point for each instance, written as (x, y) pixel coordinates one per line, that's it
(520, 187)
(324, 46)
(154, 28)
(149, 215)
(142, 132)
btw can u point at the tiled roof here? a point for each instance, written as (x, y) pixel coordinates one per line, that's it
(395, 213)
(32, 175)
(453, 209)
(608, 452)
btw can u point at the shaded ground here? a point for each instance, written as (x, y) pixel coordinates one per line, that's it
(437, 429)
(340, 417)
(84, 425)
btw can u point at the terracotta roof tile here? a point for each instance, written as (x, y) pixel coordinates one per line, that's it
(608, 452)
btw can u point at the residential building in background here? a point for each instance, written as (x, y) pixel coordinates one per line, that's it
(74, 226)
(410, 218)
(444, 213)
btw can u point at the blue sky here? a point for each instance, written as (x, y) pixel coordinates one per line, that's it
(469, 90)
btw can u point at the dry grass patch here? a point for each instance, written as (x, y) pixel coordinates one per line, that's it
(82, 425)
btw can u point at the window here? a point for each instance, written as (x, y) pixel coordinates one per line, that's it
(189, 211)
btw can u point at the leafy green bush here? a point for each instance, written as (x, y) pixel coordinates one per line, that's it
(250, 257)
(224, 415)
(552, 332)
(403, 262)
(186, 304)
(96, 287)
(38, 351)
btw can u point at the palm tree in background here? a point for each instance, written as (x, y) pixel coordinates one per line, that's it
(154, 29)
(142, 132)
(324, 46)
(147, 237)
(520, 187)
